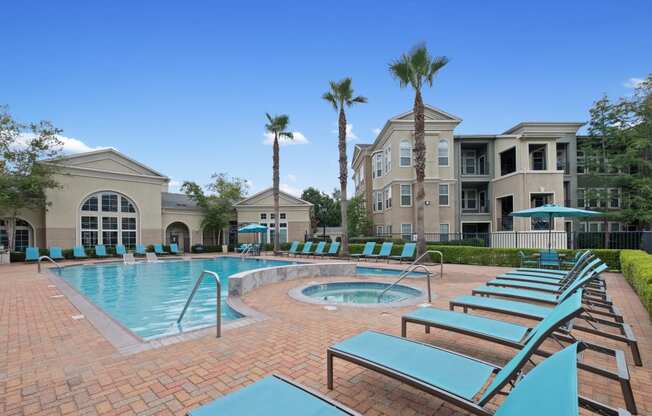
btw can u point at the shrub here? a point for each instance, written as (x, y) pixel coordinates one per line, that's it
(637, 269)
(200, 248)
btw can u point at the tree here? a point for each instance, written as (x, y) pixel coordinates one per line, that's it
(277, 126)
(218, 205)
(359, 221)
(416, 69)
(621, 142)
(23, 179)
(325, 210)
(340, 95)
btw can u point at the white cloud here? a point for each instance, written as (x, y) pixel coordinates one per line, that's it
(633, 82)
(376, 131)
(69, 145)
(299, 138)
(350, 135)
(290, 189)
(292, 178)
(174, 185)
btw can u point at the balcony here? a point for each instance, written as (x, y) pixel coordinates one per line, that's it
(474, 160)
(470, 208)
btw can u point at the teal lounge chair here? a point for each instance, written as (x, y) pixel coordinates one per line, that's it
(158, 249)
(527, 261)
(366, 251)
(306, 248)
(550, 273)
(319, 251)
(100, 251)
(293, 249)
(555, 377)
(385, 251)
(515, 335)
(549, 259)
(79, 253)
(273, 395)
(140, 249)
(31, 254)
(174, 249)
(56, 253)
(120, 250)
(569, 264)
(332, 250)
(463, 381)
(407, 254)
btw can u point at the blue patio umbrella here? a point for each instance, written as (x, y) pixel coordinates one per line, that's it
(551, 211)
(253, 228)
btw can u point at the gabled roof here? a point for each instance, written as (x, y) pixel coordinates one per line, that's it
(122, 162)
(541, 126)
(177, 201)
(264, 194)
(431, 114)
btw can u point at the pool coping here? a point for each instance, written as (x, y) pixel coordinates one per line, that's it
(127, 342)
(296, 293)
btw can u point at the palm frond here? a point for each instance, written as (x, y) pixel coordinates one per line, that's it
(330, 97)
(357, 100)
(400, 70)
(435, 65)
(287, 134)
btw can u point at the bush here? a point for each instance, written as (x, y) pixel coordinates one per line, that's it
(475, 242)
(637, 269)
(200, 248)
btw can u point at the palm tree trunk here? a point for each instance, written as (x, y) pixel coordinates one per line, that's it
(343, 181)
(420, 167)
(10, 228)
(275, 168)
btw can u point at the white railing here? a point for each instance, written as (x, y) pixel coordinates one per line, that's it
(48, 259)
(218, 296)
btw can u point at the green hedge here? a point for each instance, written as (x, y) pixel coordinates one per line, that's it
(637, 269)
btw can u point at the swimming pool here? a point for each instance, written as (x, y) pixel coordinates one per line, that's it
(360, 292)
(147, 298)
(379, 271)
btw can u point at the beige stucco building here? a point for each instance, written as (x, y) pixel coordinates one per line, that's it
(472, 182)
(107, 198)
(294, 216)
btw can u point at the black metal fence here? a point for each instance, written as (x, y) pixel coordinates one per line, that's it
(538, 239)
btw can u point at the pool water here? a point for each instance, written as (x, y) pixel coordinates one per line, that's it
(147, 298)
(359, 292)
(379, 271)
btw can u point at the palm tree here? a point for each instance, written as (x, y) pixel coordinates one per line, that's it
(341, 95)
(415, 69)
(277, 126)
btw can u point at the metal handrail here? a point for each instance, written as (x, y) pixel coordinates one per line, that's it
(246, 250)
(49, 259)
(413, 266)
(218, 296)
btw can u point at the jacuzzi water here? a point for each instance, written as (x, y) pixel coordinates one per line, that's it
(147, 298)
(360, 292)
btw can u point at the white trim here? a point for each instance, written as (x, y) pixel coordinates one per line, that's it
(448, 195)
(400, 195)
(97, 213)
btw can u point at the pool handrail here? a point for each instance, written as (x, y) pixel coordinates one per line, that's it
(50, 260)
(415, 265)
(218, 295)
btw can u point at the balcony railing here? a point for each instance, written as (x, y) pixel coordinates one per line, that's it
(480, 169)
(479, 209)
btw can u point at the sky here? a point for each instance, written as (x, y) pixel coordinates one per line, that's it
(183, 87)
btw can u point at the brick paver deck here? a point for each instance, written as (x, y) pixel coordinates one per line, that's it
(51, 364)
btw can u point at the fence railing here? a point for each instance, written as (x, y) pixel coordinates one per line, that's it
(538, 239)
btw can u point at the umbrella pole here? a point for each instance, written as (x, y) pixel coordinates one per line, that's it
(550, 233)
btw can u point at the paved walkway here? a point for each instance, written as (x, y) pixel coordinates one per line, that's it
(52, 364)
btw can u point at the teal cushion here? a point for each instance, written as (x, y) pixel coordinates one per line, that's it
(549, 389)
(525, 278)
(471, 323)
(538, 270)
(534, 274)
(546, 287)
(523, 308)
(270, 395)
(520, 293)
(446, 370)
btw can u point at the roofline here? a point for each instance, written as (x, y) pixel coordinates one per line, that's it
(267, 190)
(576, 124)
(104, 150)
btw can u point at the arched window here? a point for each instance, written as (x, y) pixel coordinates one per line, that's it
(108, 218)
(442, 152)
(406, 153)
(23, 235)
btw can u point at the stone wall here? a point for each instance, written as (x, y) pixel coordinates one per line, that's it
(244, 282)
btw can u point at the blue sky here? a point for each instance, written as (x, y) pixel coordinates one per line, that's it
(183, 86)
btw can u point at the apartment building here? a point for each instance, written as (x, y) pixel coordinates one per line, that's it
(473, 182)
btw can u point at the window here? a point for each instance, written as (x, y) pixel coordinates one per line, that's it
(282, 215)
(581, 162)
(114, 221)
(109, 202)
(378, 165)
(380, 230)
(614, 198)
(378, 200)
(126, 206)
(537, 156)
(406, 153)
(443, 194)
(581, 203)
(443, 232)
(469, 199)
(272, 216)
(614, 227)
(468, 162)
(263, 216)
(90, 204)
(537, 200)
(442, 153)
(21, 241)
(406, 232)
(508, 161)
(388, 159)
(388, 197)
(406, 195)
(562, 157)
